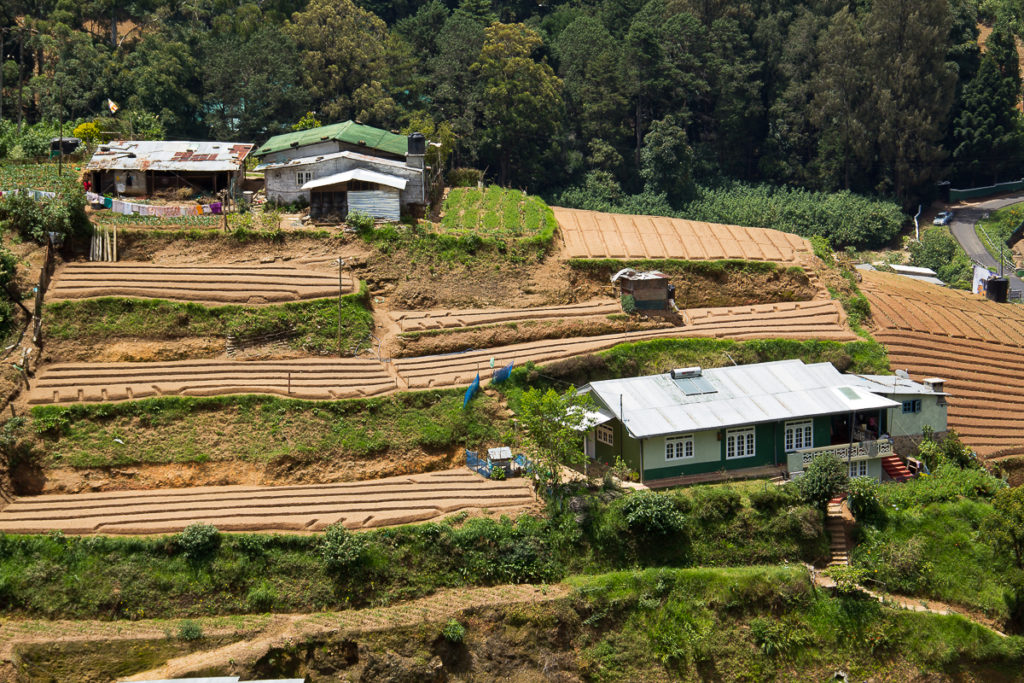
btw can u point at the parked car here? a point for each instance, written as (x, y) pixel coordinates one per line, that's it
(943, 218)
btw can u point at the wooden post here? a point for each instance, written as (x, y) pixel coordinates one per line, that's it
(341, 263)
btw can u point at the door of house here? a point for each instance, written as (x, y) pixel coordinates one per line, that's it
(590, 444)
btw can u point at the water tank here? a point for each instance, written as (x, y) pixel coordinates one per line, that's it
(683, 373)
(997, 288)
(417, 144)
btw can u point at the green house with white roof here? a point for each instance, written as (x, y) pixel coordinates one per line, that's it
(758, 420)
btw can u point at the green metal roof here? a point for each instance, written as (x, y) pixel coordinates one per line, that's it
(348, 131)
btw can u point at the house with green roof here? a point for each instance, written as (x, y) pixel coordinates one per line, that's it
(346, 167)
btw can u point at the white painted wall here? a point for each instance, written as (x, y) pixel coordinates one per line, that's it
(282, 184)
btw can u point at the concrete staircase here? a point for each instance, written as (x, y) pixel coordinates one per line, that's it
(895, 468)
(835, 525)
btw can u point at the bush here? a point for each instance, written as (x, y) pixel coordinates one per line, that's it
(344, 553)
(863, 500)
(823, 478)
(198, 541)
(360, 222)
(261, 598)
(628, 304)
(901, 566)
(464, 177)
(947, 483)
(648, 514)
(498, 474)
(190, 630)
(715, 504)
(453, 631)
(776, 638)
(773, 498)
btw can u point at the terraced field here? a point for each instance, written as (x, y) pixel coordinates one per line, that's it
(308, 378)
(795, 320)
(974, 344)
(325, 379)
(413, 321)
(251, 284)
(592, 234)
(358, 505)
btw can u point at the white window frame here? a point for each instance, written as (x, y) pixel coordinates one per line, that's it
(858, 468)
(740, 443)
(605, 435)
(303, 177)
(799, 434)
(679, 447)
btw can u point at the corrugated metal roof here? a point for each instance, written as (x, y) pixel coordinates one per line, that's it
(306, 161)
(925, 278)
(891, 384)
(631, 274)
(169, 155)
(363, 174)
(347, 131)
(912, 270)
(746, 394)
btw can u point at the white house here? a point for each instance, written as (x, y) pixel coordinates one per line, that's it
(346, 167)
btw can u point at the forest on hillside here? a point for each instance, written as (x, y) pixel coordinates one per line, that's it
(604, 103)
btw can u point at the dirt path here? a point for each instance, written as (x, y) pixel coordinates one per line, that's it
(414, 321)
(260, 633)
(592, 234)
(308, 508)
(208, 283)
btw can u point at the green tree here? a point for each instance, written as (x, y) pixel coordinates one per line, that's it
(456, 92)
(307, 122)
(554, 424)
(667, 161)
(343, 57)
(251, 86)
(520, 99)
(987, 132)
(823, 478)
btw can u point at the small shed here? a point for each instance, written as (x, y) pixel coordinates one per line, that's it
(650, 289)
(144, 167)
(63, 145)
(358, 190)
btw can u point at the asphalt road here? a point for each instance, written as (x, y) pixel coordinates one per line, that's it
(962, 227)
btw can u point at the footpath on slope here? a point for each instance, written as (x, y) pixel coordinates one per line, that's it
(260, 633)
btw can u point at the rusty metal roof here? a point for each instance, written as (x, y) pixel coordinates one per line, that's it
(168, 155)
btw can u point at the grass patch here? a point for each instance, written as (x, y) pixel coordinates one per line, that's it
(930, 542)
(32, 176)
(257, 428)
(311, 325)
(660, 355)
(671, 266)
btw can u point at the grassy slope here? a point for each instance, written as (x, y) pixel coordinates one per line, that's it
(256, 428)
(314, 323)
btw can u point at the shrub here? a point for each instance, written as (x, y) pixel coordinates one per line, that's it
(628, 304)
(823, 478)
(198, 541)
(848, 579)
(715, 504)
(453, 631)
(776, 638)
(344, 553)
(498, 473)
(190, 630)
(773, 498)
(464, 177)
(863, 500)
(650, 514)
(360, 222)
(901, 566)
(261, 598)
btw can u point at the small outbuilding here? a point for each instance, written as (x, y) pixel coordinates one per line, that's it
(650, 290)
(145, 167)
